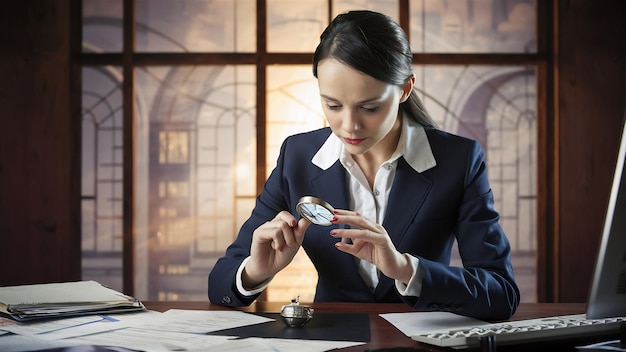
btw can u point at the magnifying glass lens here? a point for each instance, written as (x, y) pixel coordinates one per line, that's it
(315, 210)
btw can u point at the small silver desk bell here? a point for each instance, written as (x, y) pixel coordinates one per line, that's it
(294, 314)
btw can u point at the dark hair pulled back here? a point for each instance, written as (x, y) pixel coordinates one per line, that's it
(376, 45)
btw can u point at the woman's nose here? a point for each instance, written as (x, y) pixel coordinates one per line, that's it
(350, 121)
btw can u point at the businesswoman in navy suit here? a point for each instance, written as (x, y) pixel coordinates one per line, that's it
(402, 191)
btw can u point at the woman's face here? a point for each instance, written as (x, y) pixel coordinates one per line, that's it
(361, 110)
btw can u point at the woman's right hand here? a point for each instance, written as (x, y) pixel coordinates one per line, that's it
(274, 245)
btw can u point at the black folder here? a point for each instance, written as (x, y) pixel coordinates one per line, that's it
(323, 326)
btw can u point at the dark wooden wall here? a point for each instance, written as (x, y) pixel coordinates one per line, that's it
(39, 154)
(39, 239)
(591, 100)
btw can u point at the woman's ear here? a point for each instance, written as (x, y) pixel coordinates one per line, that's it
(407, 88)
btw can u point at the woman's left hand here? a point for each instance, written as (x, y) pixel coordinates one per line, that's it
(369, 241)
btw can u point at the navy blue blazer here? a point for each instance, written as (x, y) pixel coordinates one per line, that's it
(425, 213)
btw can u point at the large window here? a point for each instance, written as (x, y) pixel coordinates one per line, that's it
(185, 104)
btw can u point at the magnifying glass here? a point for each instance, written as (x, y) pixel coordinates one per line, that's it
(315, 210)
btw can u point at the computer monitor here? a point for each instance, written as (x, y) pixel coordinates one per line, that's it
(607, 294)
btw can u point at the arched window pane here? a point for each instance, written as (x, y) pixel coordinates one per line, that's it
(293, 105)
(295, 26)
(473, 26)
(196, 25)
(102, 175)
(102, 26)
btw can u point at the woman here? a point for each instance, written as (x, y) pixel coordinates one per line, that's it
(411, 189)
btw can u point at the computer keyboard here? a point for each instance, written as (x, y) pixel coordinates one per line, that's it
(523, 331)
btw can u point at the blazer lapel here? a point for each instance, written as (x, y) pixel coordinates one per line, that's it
(408, 193)
(330, 185)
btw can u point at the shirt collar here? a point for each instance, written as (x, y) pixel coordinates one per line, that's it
(413, 146)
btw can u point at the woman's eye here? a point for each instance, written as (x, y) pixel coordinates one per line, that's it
(370, 109)
(332, 107)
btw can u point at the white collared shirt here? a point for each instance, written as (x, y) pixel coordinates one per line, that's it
(414, 147)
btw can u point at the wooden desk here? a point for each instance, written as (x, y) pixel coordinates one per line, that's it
(383, 335)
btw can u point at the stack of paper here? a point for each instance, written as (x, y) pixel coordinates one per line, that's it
(56, 300)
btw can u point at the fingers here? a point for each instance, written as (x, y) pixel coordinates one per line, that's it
(281, 231)
(286, 217)
(294, 234)
(300, 229)
(354, 237)
(354, 221)
(352, 218)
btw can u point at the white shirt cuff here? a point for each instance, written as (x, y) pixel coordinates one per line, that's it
(239, 281)
(414, 286)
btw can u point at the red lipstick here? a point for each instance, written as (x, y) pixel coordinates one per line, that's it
(354, 141)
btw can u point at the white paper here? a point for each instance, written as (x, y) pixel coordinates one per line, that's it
(200, 321)
(418, 323)
(152, 340)
(65, 292)
(258, 344)
(237, 345)
(613, 345)
(50, 326)
(287, 345)
(20, 343)
(78, 326)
